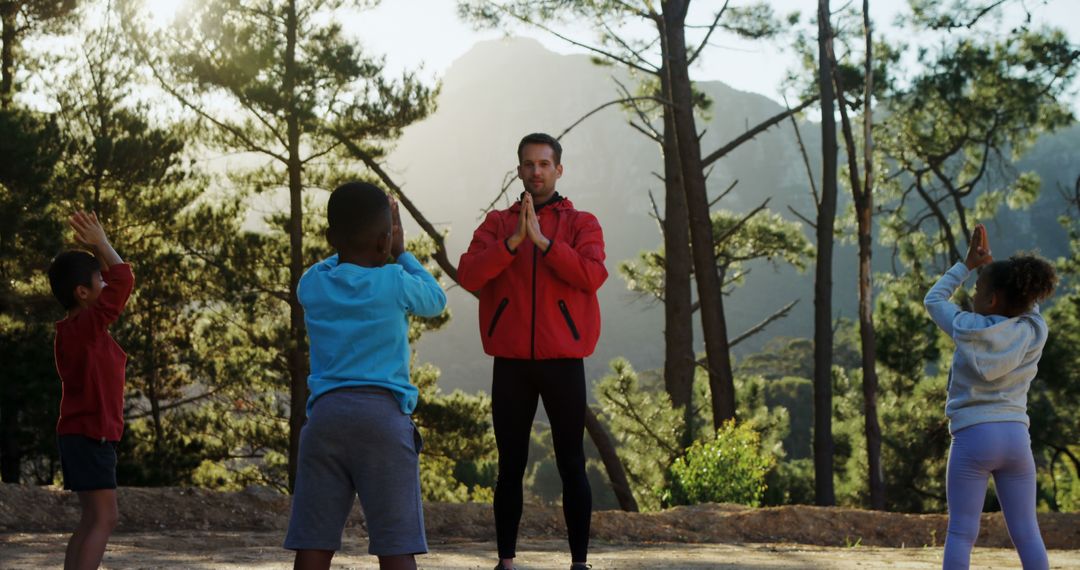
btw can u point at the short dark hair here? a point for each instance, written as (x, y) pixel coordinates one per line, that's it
(69, 270)
(1024, 279)
(355, 213)
(542, 138)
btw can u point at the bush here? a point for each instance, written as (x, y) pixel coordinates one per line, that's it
(730, 468)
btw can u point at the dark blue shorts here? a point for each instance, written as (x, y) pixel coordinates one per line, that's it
(357, 443)
(88, 464)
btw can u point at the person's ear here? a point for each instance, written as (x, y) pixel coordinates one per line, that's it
(330, 239)
(382, 244)
(558, 170)
(521, 172)
(82, 292)
(995, 301)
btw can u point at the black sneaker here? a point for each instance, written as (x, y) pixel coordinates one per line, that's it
(499, 566)
(580, 566)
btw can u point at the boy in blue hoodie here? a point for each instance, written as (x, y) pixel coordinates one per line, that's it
(359, 437)
(998, 346)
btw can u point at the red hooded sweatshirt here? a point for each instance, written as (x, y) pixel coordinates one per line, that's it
(535, 304)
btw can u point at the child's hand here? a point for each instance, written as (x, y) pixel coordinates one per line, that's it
(397, 233)
(88, 229)
(978, 253)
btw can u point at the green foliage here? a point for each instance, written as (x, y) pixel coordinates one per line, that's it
(1054, 397)
(780, 357)
(32, 145)
(729, 469)
(790, 483)
(947, 144)
(458, 462)
(938, 15)
(284, 82)
(207, 328)
(647, 428)
(739, 239)
(791, 394)
(906, 337)
(649, 431)
(22, 19)
(29, 398)
(952, 131)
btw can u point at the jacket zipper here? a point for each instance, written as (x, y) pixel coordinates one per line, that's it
(498, 313)
(569, 321)
(532, 332)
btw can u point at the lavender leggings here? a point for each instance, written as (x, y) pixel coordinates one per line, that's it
(1004, 450)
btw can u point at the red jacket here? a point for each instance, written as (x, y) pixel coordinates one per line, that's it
(535, 304)
(91, 364)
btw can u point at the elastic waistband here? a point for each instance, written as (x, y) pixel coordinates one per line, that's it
(375, 390)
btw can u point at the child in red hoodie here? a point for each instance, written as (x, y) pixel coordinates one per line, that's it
(90, 363)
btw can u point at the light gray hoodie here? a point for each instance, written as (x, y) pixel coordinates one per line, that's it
(995, 360)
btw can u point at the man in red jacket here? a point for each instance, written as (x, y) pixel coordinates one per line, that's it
(537, 267)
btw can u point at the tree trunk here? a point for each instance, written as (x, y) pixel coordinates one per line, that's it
(8, 10)
(297, 350)
(823, 341)
(868, 339)
(869, 358)
(709, 286)
(614, 467)
(679, 360)
(864, 207)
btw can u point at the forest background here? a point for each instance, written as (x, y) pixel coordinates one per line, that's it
(764, 338)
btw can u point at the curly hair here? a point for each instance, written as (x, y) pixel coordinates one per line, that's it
(1024, 279)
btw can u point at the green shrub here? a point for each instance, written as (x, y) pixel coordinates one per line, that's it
(730, 468)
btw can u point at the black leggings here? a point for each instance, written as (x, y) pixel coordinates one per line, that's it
(515, 386)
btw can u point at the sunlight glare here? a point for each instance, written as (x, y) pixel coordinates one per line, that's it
(162, 13)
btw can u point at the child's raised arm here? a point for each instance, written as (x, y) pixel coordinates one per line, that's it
(88, 231)
(943, 311)
(419, 293)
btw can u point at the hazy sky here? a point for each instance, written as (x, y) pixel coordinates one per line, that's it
(409, 32)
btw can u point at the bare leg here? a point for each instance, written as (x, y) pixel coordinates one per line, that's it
(75, 544)
(99, 517)
(313, 559)
(399, 562)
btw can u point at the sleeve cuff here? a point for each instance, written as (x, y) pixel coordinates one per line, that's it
(551, 243)
(960, 268)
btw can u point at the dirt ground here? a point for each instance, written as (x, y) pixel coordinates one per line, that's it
(195, 528)
(262, 550)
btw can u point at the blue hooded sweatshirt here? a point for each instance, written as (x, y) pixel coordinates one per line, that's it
(357, 325)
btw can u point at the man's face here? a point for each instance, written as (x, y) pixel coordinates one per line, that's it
(538, 171)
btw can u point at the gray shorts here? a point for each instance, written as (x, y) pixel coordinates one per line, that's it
(358, 441)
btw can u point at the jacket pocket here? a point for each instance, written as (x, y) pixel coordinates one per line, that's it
(569, 319)
(498, 313)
